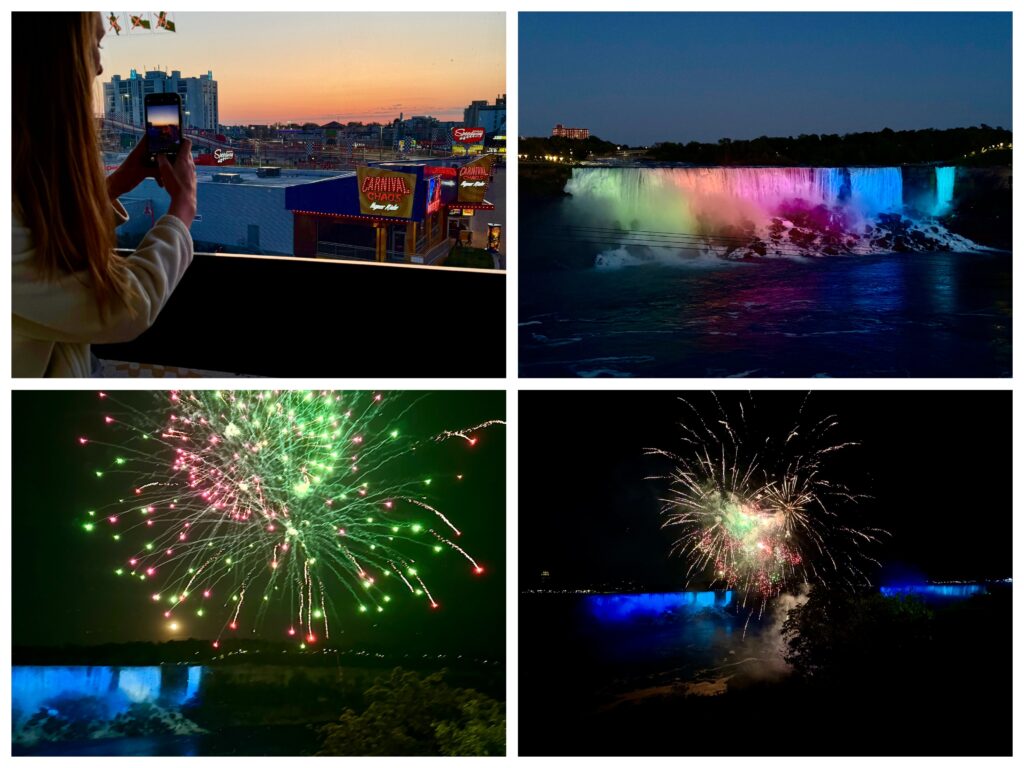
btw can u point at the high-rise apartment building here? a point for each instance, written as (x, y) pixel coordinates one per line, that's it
(490, 117)
(123, 97)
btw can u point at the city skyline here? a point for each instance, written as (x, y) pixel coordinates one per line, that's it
(366, 67)
(641, 78)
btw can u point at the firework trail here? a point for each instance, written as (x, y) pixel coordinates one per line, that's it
(236, 501)
(754, 509)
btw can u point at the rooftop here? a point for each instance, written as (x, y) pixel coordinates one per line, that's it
(289, 177)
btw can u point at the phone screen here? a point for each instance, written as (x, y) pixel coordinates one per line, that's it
(163, 128)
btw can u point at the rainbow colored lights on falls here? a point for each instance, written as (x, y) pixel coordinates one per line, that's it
(638, 215)
(755, 508)
(314, 504)
(692, 200)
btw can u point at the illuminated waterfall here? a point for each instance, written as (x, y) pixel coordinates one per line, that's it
(680, 200)
(876, 190)
(945, 181)
(652, 605)
(115, 688)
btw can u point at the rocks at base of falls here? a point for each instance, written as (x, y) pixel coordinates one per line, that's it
(83, 719)
(802, 230)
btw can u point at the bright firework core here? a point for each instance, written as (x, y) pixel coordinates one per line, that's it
(748, 536)
(755, 509)
(235, 501)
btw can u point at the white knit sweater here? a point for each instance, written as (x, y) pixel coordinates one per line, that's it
(55, 320)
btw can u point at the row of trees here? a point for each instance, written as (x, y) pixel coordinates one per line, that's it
(559, 146)
(885, 147)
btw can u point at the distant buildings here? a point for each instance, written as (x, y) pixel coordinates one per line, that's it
(560, 131)
(422, 128)
(123, 99)
(490, 117)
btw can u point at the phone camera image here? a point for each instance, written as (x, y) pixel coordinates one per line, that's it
(163, 127)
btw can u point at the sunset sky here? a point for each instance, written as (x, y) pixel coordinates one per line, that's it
(325, 66)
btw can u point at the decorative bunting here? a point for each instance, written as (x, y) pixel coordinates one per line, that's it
(148, 21)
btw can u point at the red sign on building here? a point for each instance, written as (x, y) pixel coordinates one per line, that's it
(468, 135)
(439, 170)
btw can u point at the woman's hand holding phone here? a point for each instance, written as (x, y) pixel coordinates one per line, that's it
(179, 180)
(132, 172)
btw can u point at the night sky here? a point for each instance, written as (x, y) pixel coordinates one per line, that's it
(639, 78)
(936, 464)
(66, 592)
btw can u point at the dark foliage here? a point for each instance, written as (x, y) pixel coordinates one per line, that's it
(838, 635)
(579, 149)
(409, 714)
(885, 147)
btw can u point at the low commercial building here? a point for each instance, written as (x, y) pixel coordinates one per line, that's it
(395, 212)
(386, 211)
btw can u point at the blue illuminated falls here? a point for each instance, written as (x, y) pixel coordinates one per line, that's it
(945, 182)
(112, 689)
(936, 591)
(653, 605)
(195, 676)
(876, 190)
(625, 608)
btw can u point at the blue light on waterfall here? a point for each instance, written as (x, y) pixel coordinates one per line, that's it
(958, 591)
(652, 605)
(195, 676)
(876, 190)
(945, 182)
(113, 689)
(140, 684)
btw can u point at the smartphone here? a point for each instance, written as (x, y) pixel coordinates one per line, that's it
(163, 125)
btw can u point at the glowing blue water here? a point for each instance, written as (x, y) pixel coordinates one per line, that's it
(113, 689)
(945, 181)
(876, 190)
(195, 675)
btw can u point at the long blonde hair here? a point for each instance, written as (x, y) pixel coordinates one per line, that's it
(58, 177)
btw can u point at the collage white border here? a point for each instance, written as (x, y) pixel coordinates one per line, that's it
(512, 383)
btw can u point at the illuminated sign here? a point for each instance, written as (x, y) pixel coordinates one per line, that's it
(385, 193)
(473, 180)
(224, 155)
(433, 194)
(443, 171)
(468, 135)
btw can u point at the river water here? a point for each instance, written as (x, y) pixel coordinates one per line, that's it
(880, 315)
(617, 278)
